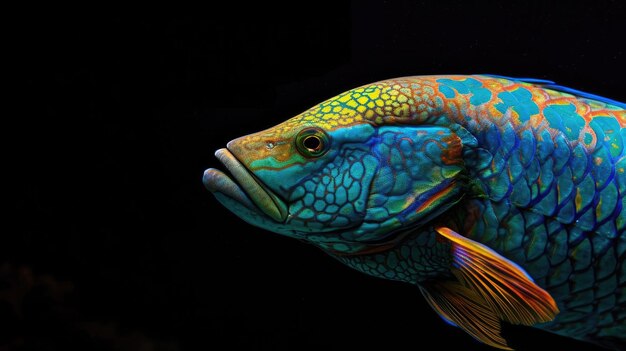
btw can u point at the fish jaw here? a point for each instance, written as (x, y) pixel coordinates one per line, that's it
(245, 193)
(252, 215)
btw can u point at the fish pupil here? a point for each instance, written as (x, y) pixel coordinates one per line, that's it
(312, 143)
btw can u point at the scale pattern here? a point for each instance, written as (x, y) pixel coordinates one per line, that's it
(552, 168)
(543, 173)
(558, 203)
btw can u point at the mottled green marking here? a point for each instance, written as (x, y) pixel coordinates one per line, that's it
(565, 119)
(480, 95)
(520, 100)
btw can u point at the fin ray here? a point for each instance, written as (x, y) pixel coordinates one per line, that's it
(462, 307)
(503, 285)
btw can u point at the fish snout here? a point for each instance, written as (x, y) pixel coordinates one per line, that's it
(235, 144)
(243, 149)
(260, 146)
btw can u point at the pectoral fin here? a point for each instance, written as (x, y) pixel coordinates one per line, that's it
(462, 307)
(489, 288)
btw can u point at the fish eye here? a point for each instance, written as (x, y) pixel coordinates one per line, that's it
(312, 142)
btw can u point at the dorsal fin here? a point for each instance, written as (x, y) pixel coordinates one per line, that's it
(548, 84)
(525, 80)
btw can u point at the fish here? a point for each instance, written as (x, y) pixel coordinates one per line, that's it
(502, 199)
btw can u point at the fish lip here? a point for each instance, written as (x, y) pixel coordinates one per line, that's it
(245, 188)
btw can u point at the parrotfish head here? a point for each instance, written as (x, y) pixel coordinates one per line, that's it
(340, 178)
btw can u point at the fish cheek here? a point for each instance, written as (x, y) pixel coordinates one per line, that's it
(335, 197)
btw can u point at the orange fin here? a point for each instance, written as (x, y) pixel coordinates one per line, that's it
(463, 307)
(506, 288)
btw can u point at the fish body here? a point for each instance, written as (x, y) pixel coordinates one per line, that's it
(500, 198)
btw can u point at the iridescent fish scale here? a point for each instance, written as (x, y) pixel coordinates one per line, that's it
(567, 178)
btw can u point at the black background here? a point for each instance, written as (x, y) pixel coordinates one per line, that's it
(117, 245)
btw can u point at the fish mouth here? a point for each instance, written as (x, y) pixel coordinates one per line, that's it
(246, 189)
